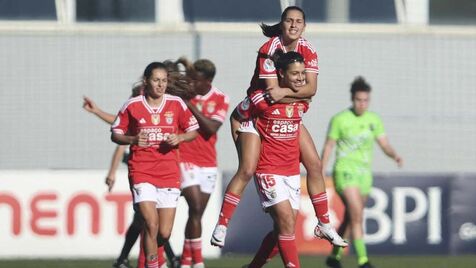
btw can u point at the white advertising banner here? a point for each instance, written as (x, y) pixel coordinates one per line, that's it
(69, 213)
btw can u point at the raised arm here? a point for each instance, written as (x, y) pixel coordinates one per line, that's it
(90, 106)
(207, 125)
(388, 150)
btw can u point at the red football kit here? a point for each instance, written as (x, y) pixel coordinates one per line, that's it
(158, 163)
(278, 126)
(265, 66)
(201, 151)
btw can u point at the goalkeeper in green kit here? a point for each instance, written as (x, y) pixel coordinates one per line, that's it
(354, 131)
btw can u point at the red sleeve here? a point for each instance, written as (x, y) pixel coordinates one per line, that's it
(121, 123)
(221, 109)
(259, 102)
(311, 60)
(266, 65)
(187, 122)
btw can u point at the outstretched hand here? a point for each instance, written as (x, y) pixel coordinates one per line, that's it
(89, 105)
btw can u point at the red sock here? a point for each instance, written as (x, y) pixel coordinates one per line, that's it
(141, 260)
(186, 253)
(160, 255)
(230, 202)
(268, 249)
(319, 201)
(153, 264)
(288, 250)
(196, 250)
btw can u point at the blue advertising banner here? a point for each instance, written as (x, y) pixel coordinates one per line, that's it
(411, 214)
(407, 214)
(463, 215)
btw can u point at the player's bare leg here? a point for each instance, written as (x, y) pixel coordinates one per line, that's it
(248, 148)
(197, 202)
(355, 204)
(317, 188)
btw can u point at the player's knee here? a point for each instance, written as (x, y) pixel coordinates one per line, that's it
(246, 172)
(165, 234)
(195, 211)
(152, 225)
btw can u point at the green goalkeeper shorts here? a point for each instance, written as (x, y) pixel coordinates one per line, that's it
(353, 177)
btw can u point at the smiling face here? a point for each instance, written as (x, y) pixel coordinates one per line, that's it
(292, 25)
(294, 76)
(156, 83)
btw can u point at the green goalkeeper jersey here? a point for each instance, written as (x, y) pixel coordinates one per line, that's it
(354, 136)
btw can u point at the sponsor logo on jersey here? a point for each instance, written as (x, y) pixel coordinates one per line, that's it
(211, 106)
(169, 117)
(289, 111)
(312, 63)
(268, 65)
(155, 119)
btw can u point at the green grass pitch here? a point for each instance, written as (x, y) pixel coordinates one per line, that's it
(237, 261)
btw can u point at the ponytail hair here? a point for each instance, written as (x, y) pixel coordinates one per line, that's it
(275, 29)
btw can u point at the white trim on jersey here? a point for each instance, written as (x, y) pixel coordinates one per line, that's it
(192, 128)
(175, 98)
(151, 109)
(259, 97)
(218, 118)
(129, 102)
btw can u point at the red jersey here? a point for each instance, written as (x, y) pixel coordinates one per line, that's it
(265, 66)
(157, 164)
(201, 151)
(278, 126)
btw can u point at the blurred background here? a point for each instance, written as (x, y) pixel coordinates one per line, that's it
(418, 55)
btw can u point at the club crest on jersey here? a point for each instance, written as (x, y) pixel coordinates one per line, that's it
(245, 104)
(155, 119)
(289, 111)
(199, 106)
(268, 65)
(169, 117)
(300, 110)
(211, 106)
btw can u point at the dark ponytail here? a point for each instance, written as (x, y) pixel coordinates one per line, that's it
(275, 29)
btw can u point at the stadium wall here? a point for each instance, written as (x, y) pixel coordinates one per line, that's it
(423, 81)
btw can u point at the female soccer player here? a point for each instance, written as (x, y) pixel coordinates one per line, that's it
(154, 125)
(277, 177)
(287, 36)
(354, 131)
(198, 160)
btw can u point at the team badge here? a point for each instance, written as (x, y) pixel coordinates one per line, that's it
(268, 65)
(199, 106)
(245, 104)
(155, 118)
(300, 110)
(211, 106)
(169, 117)
(289, 111)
